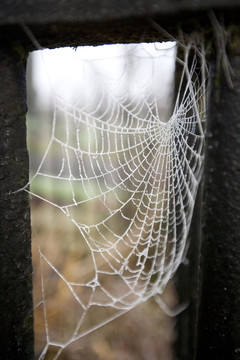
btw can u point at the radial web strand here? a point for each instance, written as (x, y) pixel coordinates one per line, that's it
(125, 174)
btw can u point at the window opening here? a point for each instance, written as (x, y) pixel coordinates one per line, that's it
(114, 169)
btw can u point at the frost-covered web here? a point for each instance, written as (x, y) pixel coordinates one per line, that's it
(126, 174)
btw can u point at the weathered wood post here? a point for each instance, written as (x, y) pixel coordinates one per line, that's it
(219, 311)
(16, 314)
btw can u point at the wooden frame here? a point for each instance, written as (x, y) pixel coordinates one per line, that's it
(215, 332)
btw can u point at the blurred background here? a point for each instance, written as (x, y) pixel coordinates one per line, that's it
(145, 332)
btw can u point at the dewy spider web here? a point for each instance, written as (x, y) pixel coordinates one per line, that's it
(110, 151)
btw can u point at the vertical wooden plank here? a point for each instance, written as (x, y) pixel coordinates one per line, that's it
(16, 315)
(219, 311)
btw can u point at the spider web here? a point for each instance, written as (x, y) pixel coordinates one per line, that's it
(126, 174)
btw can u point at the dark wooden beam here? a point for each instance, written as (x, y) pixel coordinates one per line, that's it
(126, 29)
(53, 11)
(16, 313)
(219, 311)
